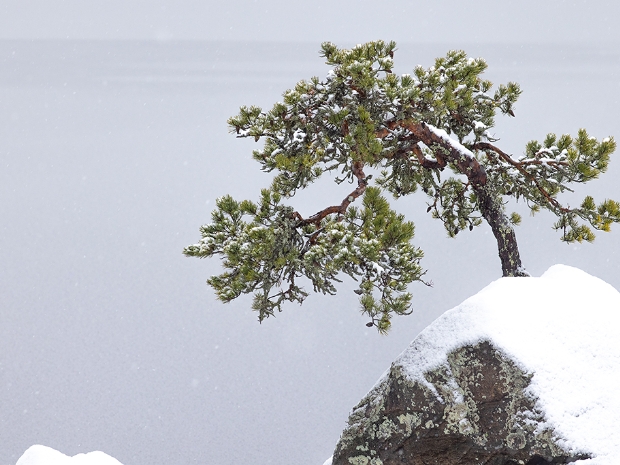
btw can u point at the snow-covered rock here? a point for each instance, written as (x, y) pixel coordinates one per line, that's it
(43, 455)
(527, 371)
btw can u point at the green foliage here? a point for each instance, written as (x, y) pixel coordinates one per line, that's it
(412, 129)
(324, 125)
(266, 252)
(548, 168)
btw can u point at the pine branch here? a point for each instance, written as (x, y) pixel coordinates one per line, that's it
(519, 166)
(362, 182)
(414, 128)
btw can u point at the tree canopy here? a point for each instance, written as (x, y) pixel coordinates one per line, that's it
(429, 130)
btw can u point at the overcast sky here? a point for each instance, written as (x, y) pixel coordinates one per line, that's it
(112, 154)
(318, 20)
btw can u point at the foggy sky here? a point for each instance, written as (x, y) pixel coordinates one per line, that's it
(522, 21)
(111, 156)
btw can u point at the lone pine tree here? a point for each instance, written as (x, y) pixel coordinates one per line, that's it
(429, 130)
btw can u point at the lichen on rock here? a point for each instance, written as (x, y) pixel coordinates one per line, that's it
(474, 408)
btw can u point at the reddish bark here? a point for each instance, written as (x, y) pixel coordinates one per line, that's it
(358, 171)
(490, 203)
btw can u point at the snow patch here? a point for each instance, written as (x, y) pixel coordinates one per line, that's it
(564, 328)
(43, 455)
(455, 144)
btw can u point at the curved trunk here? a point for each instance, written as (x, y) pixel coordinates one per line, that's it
(491, 206)
(492, 210)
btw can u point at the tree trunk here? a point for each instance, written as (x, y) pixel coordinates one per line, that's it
(490, 203)
(492, 210)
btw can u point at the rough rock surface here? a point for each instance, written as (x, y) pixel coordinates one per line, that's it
(473, 409)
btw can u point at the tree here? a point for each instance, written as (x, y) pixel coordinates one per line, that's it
(411, 129)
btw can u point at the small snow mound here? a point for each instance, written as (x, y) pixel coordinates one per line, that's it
(564, 329)
(43, 455)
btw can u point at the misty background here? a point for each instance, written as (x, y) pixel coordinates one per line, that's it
(113, 149)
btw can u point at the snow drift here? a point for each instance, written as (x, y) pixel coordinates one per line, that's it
(564, 328)
(560, 332)
(42, 455)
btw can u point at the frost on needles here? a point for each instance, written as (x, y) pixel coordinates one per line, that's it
(428, 131)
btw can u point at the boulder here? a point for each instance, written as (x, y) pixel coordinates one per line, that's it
(525, 372)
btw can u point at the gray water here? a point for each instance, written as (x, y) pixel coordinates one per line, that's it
(111, 157)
